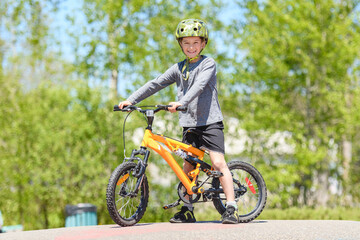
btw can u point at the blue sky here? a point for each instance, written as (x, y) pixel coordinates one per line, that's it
(73, 7)
(60, 27)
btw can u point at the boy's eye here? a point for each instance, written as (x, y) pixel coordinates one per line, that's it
(195, 43)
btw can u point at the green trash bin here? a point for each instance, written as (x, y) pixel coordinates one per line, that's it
(1, 222)
(11, 228)
(82, 214)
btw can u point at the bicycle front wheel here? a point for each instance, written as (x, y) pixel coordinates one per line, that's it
(126, 195)
(250, 191)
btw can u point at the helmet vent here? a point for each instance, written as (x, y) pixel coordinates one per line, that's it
(191, 27)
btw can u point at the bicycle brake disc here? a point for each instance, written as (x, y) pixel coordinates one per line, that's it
(185, 197)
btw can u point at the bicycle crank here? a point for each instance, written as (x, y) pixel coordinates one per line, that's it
(171, 205)
(185, 197)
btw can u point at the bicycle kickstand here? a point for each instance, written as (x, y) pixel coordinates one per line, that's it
(171, 205)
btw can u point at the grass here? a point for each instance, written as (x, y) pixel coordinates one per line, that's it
(307, 213)
(207, 212)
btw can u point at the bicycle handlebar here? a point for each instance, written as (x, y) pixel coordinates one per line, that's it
(158, 108)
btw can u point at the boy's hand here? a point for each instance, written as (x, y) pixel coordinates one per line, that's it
(173, 107)
(124, 104)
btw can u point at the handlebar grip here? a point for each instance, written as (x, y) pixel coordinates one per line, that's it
(128, 108)
(116, 108)
(181, 109)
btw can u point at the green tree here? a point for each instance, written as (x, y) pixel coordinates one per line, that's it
(58, 147)
(134, 40)
(300, 75)
(60, 141)
(23, 36)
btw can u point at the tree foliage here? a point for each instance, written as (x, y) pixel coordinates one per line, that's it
(288, 72)
(300, 75)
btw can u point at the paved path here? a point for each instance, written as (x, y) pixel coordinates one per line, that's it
(262, 230)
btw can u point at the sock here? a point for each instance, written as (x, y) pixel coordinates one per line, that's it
(232, 203)
(189, 206)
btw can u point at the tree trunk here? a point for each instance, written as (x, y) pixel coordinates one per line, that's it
(322, 191)
(45, 215)
(113, 84)
(113, 51)
(347, 155)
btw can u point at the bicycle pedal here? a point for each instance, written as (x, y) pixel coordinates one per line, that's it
(215, 174)
(171, 205)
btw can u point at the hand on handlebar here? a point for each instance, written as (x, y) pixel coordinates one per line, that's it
(173, 107)
(124, 104)
(127, 106)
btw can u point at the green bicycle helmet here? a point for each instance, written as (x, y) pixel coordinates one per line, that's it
(192, 28)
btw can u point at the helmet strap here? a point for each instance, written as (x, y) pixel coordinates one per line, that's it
(192, 59)
(185, 70)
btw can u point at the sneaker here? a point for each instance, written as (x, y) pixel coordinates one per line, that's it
(184, 216)
(230, 216)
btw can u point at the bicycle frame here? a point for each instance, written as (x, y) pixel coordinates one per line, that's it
(127, 193)
(153, 141)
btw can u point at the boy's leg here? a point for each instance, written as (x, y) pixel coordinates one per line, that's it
(187, 167)
(186, 214)
(218, 161)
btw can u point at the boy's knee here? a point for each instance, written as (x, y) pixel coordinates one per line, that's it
(186, 164)
(219, 164)
(218, 160)
(187, 167)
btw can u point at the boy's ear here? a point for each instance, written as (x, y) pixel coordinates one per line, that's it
(203, 43)
(180, 42)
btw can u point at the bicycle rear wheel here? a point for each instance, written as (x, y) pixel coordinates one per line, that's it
(250, 191)
(125, 204)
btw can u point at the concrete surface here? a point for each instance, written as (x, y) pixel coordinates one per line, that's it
(264, 230)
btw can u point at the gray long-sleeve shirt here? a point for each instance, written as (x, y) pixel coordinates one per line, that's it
(198, 93)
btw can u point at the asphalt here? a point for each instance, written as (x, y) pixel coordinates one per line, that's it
(262, 230)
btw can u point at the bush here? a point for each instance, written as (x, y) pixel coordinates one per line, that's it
(308, 213)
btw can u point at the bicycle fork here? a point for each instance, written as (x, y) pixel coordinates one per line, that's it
(139, 171)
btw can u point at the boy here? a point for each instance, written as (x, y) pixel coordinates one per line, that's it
(195, 79)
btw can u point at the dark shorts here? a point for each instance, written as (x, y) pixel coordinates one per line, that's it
(209, 137)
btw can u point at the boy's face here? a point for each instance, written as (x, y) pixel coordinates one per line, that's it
(192, 46)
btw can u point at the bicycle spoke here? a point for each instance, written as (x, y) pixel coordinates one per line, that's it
(247, 202)
(127, 204)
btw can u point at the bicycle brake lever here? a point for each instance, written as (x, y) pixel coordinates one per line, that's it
(130, 108)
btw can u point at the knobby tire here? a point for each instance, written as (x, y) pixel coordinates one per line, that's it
(252, 203)
(126, 210)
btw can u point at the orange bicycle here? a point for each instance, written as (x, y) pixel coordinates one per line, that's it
(128, 189)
